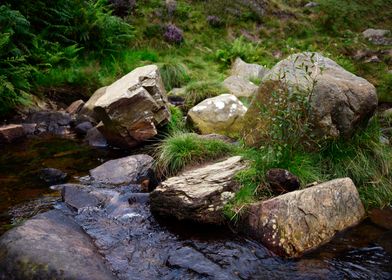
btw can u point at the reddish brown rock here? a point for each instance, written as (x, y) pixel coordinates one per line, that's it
(10, 133)
(75, 107)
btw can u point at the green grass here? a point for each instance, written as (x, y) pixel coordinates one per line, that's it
(363, 158)
(182, 149)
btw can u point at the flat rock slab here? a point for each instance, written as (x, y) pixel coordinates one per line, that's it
(50, 246)
(299, 221)
(77, 196)
(199, 194)
(127, 170)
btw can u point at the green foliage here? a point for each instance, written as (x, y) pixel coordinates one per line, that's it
(366, 161)
(89, 24)
(248, 51)
(181, 149)
(338, 15)
(174, 75)
(15, 72)
(363, 158)
(177, 121)
(384, 89)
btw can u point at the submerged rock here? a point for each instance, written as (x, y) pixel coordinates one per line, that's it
(10, 133)
(199, 194)
(50, 246)
(55, 122)
(340, 102)
(77, 196)
(52, 176)
(95, 138)
(247, 70)
(126, 170)
(299, 221)
(83, 128)
(132, 108)
(221, 115)
(240, 87)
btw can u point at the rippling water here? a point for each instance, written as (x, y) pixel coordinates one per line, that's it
(138, 246)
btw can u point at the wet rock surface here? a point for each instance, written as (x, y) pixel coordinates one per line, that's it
(125, 170)
(50, 246)
(199, 194)
(55, 122)
(52, 176)
(10, 133)
(137, 245)
(299, 221)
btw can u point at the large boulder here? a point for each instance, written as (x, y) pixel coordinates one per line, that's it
(126, 170)
(339, 100)
(247, 71)
(221, 115)
(199, 194)
(299, 221)
(132, 108)
(50, 246)
(239, 86)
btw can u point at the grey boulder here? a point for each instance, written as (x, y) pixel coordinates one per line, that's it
(50, 246)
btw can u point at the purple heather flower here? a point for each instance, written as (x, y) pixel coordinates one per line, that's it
(173, 34)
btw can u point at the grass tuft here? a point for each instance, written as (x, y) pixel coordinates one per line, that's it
(181, 149)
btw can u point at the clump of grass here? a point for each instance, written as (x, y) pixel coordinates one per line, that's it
(363, 158)
(181, 149)
(177, 121)
(195, 92)
(174, 75)
(366, 161)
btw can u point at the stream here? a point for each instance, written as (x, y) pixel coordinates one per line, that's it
(137, 245)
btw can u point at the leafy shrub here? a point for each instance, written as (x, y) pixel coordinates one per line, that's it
(181, 149)
(238, 48)
(173, 34)
(89, 24)
(15, 72)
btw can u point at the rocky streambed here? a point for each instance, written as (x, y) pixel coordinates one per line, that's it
(104, 229)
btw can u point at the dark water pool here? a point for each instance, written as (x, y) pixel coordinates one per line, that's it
(145, 248)
(20, 164)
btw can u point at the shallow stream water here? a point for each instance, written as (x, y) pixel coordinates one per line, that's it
(137, 245)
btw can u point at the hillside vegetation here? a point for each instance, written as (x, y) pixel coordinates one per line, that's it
(64, 50)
